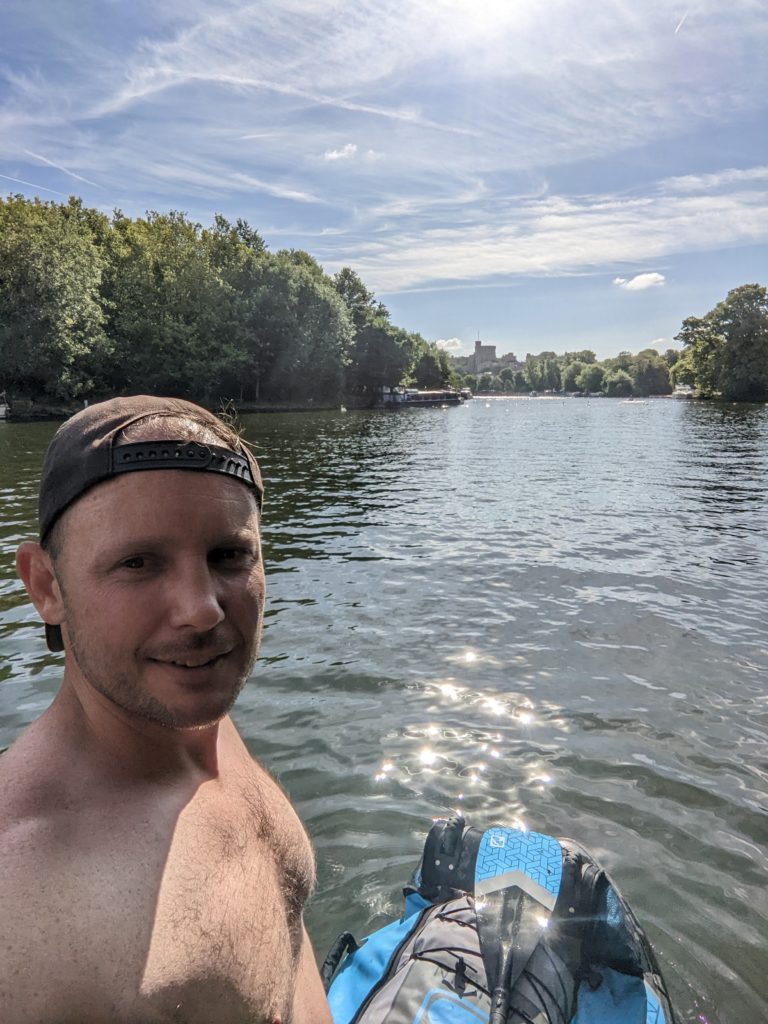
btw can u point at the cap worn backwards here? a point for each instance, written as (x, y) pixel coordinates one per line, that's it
(86, 451)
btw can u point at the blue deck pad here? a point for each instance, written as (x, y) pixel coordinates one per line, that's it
(510, 856)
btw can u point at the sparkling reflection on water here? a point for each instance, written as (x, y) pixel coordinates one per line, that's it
(546, 613)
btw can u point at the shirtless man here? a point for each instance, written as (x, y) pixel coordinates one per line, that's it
(150, 869)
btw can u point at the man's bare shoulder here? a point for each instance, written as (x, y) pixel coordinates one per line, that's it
(156, 898)
(32, 792)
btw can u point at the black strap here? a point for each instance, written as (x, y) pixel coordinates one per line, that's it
(346, 943)
(181, 455)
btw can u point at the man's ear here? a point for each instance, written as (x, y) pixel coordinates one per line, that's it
(35, 569)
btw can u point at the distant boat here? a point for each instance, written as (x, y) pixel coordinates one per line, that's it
(408, 398)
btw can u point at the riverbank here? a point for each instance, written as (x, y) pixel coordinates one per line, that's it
(27, 410)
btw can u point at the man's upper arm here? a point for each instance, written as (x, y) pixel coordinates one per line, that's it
(309, 1003)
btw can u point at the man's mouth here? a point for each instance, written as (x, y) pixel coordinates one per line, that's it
(190, 662)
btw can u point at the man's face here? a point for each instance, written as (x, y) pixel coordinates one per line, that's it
(163, 589)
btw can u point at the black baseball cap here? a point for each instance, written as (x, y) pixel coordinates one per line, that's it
(84, 453)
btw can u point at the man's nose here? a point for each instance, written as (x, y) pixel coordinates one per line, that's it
(195, 600)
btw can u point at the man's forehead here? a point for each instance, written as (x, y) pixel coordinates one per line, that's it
(175, 500)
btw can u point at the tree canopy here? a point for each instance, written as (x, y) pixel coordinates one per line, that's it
(726, 350)
(92, 305)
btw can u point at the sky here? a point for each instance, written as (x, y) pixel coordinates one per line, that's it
(548, 175)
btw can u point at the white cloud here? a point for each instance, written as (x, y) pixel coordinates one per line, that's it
(551, 236)
(640, 282)
(450, 344)
(345, 153)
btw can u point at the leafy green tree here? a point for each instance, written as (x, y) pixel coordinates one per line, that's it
(534, 373)
(238, 255)
(742, 320)
(704, 345)
(520, 384)
(671, 356)
(469, 381)
(305, 326)
(485, 383)
(542, 372)
(586, 355)
(571, 373)
(552, 376)
(361, 303)
(428, 372)
(507, 379)
(52, 339)
(650, 373)
(623, 361)
(617, 384)
(167, 302)
(591, 378)
(683, 372)
(448, 376)
(381, 356)
(300, 258)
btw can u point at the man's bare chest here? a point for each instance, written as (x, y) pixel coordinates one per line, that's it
(227, 915)
(185, 913)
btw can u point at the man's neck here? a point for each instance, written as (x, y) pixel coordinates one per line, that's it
(129, 746)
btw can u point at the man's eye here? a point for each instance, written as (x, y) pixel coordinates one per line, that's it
(229, 555)
(137, 562)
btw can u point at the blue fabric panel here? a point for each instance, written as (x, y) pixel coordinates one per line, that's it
(655, 1014)
(510, 849)
(361, 971)
(441, 1007)
(620, 999)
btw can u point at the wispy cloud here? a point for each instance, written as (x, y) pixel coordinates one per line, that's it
(345, 153)
(29, 184)
(64, 170)
(274, 189)
(640, 282)
(560, 235)
(719, 179)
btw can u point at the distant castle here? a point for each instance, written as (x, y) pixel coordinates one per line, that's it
(483, 358)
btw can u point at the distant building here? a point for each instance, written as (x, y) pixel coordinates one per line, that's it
(483, 358)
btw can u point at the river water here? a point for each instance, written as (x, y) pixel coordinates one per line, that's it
(540, 611)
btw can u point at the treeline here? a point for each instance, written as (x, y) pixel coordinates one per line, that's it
(646, 373)
(724, 355)
(92, 305)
